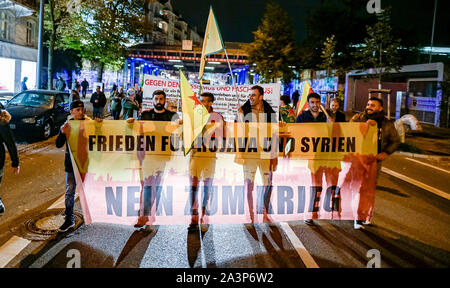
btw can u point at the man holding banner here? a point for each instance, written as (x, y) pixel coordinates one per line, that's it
(256, 109)
(204, 167)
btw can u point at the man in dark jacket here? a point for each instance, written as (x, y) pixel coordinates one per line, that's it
(77, 113)
(159, 112)
(157, 165)
(388, 139)
(6, 138)
(85, 86)
(314, 113)
(256, 109)
(98, 100)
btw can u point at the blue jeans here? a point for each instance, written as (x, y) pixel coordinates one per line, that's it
(116, 114)
(70, 195)
(98, 113)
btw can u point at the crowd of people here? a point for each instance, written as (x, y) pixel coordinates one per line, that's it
(129, 106)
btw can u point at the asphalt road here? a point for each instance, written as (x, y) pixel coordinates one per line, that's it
(410, 228)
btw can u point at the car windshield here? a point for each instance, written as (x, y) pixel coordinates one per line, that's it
(33, 99)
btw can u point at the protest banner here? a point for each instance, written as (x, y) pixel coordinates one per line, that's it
(226, 102)
(128, 170)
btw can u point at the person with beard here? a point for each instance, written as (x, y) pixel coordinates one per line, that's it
(388, 139)
(159, 112)
(257, 110)
(153, 170)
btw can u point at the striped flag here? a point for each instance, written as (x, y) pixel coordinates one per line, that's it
(302, 103)
(212, 43)
(195, 115)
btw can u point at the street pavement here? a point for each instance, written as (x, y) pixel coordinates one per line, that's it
(410, 227)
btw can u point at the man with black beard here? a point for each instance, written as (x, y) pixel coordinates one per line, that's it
(159, 112)
(153, 168)
(388, 139)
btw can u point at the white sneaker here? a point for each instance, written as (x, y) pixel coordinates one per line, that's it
(367, 223)
(357, 225)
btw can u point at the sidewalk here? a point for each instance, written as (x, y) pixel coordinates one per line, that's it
(430, 141)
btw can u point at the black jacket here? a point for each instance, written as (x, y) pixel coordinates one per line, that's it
(307, 117)
(101, 100)
(338, 117)
(7, 138)
(271, 116)
(60, 141)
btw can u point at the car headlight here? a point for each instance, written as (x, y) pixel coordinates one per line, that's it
(31, 120)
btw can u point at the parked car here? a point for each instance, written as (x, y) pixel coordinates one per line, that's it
(37, 113)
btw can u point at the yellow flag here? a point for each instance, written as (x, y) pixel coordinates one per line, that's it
(212, 43)
(195, 115)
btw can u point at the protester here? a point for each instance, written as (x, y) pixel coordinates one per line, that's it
(156, 167)
(60, 84)
(116, 102)
(6, 138)
(388, 139)
(140, 97)
(159, 112)
(287, 114)
(203, 168)
(24, 84)
(130, 106)
(334, 111)
(318, 168)
(314, 113)
(98, 100)
(76, 113)
(85, 86)
(75, 84)
(256, 109)
(75, 94)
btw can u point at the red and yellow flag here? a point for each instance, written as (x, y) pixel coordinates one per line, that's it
(195, 115)
(302, 103)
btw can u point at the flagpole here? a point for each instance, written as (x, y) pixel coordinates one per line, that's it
(232, 76)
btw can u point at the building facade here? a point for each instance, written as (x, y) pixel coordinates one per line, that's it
(169, 27)
(18, 44)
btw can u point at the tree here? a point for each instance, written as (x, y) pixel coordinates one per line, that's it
(329, 55)
(274, 49)
(380, 48)
(56, 22)
(103, 30)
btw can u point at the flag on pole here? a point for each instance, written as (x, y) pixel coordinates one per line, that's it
(302, 103)
(195, 115)
(212, 43)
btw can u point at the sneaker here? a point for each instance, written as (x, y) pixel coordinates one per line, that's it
(367, 223)
(2, 207)
(192, 228)
(309, 222)
(66, 226)
(358, 224)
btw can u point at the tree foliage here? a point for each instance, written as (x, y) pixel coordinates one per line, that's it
(102, 30)
(380, 50)
(274, 49)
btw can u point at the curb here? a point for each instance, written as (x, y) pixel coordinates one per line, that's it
(423, 156)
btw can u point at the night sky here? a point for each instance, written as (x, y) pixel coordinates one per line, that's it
(238, 18)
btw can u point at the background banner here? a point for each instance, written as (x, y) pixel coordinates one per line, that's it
(137, 172)
(226, 102)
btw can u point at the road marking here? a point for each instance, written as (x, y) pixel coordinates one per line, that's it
(16, 244)
(429, 165)
(11, 248)
(299, 247)
(417, 183)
